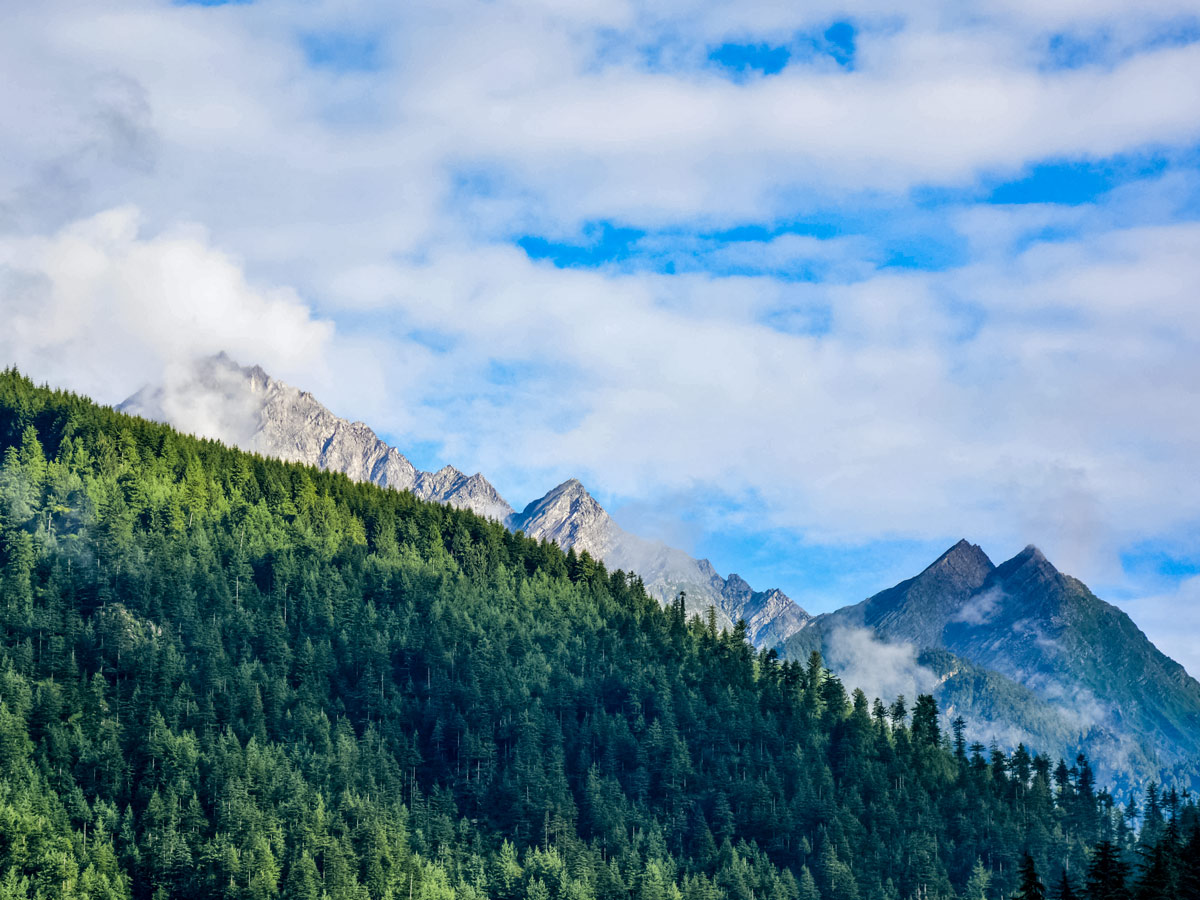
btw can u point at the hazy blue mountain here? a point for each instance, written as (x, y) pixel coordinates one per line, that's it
(1024, 653)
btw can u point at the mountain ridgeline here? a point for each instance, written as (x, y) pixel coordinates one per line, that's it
(1027, 654)
(245, 407)
(223, 675)
(1022, 652)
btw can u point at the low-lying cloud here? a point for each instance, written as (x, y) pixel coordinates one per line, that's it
(981, 608)
(883, 670)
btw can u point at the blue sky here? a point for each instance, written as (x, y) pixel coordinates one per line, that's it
(812, 291)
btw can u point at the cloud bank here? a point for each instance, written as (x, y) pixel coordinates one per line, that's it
(98, 308)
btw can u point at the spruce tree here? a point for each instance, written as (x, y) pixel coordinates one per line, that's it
(1031, 885)
(1189, 866)
(977, 884)
(1156, 881)
(1064, 890)
(1108, 874)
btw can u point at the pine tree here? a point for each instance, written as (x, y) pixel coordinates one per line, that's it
(1108, 874)
(977, 884)
(1064, 890)
(1031, 887)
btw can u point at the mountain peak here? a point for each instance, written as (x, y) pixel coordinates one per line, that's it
(1033, 554)
(571, 517)
(964, 560)
(1030, 560)
(571, 496)
(736, 584)
(918, 609)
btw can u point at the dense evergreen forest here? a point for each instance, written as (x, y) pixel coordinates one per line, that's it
(226, 676)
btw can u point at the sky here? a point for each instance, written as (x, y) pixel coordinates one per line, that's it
(812, 290)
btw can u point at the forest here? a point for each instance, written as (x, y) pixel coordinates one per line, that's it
(228, 676)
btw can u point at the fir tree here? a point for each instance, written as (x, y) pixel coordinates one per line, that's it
(1108, 874)
(1031, 887)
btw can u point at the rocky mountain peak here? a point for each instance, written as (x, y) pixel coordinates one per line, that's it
(571, 517)
(246, 407)
(964, 561)
(573, 490)
(1031, 555)
(737, 586)
(1027, 570)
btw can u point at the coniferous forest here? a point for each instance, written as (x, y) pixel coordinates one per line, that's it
(226, 676)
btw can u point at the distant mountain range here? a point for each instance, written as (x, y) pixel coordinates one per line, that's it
(246, 407)
(1022, 652)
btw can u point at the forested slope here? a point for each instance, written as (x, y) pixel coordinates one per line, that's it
(222, 675)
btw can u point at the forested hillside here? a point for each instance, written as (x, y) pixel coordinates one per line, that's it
(226, 676)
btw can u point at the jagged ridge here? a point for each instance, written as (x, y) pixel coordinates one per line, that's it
(248, 408)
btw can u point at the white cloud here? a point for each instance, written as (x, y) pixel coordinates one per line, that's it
(981, 608)
(899, 421)
(1172, 621)
(366, 164)
(882, 670)
(99, 309)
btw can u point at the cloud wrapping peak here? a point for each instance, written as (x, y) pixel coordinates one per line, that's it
(98, 308)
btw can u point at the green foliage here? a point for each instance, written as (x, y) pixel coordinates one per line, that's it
(225, 676)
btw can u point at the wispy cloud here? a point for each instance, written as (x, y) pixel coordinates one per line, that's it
(883, 670)
(97, 307)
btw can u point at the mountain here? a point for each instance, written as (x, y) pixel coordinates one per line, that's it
(224, 675)
(1023, 652)
(247, 408)
(1030, 654)
(571, 517)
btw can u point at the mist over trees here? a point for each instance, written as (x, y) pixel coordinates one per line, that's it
(226, 676)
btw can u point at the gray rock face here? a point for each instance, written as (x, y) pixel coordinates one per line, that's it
(771, 616)
(571, 517)
(246, 407)
(474, 492)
